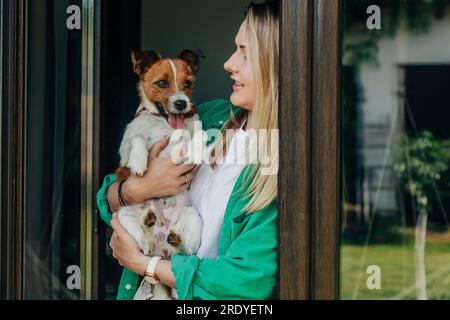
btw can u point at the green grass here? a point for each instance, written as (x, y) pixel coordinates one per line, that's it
(396, 262)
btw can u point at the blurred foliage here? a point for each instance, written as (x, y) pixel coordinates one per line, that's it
(423, 163)
(362, 44)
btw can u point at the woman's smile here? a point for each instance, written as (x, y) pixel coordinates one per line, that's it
(237, 85)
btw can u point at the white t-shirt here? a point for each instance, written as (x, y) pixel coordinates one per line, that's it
(210, 191)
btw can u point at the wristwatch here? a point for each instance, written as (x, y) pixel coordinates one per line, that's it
(150, 275)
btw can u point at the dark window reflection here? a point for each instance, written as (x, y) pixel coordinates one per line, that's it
(52, 183)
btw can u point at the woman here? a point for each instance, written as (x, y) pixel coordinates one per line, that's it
(237, 258)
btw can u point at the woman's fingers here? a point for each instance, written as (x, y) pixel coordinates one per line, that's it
(182, 180)
(178, 154)
(186, 178)
(184, 168)
(114, 223)
(117, 227)
(183, 188)
(190, 175)
(112, 243)
(157, 147)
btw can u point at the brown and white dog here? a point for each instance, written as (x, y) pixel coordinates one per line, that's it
(163, 226)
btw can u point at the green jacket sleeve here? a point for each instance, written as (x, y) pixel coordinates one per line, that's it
(246, 271)
(102, 198)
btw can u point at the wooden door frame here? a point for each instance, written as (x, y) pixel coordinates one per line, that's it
(309, 118)
(325, 200)
(12, 162)
(294, 123)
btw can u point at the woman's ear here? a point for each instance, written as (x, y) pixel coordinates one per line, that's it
(191, 58)
(143, 60)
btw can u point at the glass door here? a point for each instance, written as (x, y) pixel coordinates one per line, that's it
(395, 150)
(52, 153)
(58, 224)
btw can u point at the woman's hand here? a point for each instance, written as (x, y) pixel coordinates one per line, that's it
(126, 250)
(163, 177)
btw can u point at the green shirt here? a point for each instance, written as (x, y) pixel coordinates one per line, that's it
(246, 263)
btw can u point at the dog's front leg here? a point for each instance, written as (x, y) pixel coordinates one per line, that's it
(138, 156)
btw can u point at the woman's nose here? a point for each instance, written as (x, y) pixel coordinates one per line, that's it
(229, 66)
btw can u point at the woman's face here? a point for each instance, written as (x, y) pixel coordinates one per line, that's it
(238, 66)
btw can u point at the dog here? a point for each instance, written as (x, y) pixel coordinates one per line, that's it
(168, 225)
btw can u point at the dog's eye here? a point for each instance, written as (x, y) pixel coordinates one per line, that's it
(187, 84)
(162, 84)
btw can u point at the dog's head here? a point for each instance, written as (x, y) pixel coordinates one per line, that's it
(168, 84)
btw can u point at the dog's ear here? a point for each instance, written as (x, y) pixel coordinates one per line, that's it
(143, 60)
(191, 58)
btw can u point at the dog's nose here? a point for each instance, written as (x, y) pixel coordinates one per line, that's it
(180, 105)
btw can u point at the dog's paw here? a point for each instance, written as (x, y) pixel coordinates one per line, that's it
(137, 160)
(149, 296)
(138, 168)
(173, 239)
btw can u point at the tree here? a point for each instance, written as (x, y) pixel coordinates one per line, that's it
(421, 162)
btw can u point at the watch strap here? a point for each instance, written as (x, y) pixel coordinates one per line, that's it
(152, 264)
(150, 274)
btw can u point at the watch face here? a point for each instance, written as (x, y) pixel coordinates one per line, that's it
(151, 280)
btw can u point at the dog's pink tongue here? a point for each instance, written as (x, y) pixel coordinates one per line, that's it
(176, 121)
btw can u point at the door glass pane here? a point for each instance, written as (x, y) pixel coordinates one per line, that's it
(395, 150)
(52, 151)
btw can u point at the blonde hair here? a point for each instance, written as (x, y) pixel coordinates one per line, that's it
(262, 23)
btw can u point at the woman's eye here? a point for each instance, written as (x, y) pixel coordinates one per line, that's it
(162, 84)
(187, 84)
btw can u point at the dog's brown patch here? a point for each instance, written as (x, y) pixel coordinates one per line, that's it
(173, 239)
(122, 173)
(150, 219)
